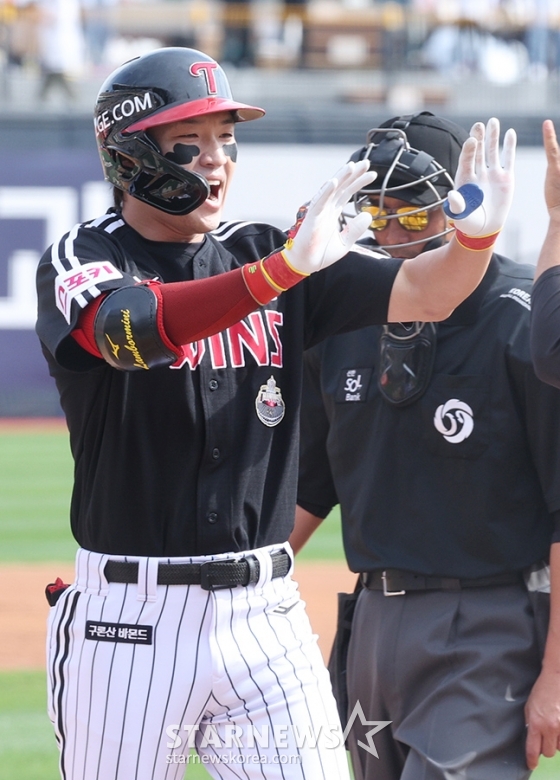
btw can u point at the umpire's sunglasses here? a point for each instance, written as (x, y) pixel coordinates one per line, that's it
(409, 217)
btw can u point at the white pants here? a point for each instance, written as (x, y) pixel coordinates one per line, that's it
(135, 669)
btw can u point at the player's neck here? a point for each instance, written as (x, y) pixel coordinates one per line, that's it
(156, 225)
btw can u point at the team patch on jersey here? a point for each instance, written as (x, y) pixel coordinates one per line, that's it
(118, 632)
(522, 297)
(270, 404)
(70, 284)
(353, 385)
(454, 420)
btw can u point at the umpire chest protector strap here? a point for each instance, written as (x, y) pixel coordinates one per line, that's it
(128, 333)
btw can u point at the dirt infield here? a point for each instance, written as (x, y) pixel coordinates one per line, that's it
(23, 607)
(32, 424)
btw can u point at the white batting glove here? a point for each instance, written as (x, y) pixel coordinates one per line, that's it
(319, 240)
(484, 187)
(316, 240)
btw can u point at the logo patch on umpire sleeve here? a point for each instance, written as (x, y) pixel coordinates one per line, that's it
(353, 385)
(118, 632)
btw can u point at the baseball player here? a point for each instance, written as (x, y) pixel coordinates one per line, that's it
(176, 344)
(443, 450)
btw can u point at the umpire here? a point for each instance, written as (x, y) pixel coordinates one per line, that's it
(442, 448)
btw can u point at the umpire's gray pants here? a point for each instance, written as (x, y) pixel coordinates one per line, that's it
(452, 670)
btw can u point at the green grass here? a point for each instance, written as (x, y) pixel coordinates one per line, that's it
(27, 746)
(35, 486)
(326, 542)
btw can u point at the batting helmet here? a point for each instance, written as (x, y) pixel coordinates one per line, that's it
(163, 86)
(415, 158)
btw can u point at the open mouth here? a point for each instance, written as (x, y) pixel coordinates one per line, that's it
(215, 188)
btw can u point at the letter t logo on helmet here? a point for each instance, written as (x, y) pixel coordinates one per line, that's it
(207, 70)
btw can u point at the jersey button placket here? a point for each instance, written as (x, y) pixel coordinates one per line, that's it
(212, 518)
(213, 384)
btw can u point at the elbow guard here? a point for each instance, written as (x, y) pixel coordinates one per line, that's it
(129, 331)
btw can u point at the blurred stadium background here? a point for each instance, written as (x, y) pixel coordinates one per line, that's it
(325, 70)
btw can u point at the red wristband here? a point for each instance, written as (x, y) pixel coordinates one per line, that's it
(268, 278)
(476, 243)
(258, 284)
(278, 269)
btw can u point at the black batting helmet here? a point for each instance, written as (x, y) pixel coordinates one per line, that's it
(163, 86)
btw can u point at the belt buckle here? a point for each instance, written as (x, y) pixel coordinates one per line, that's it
(387, 592)
(205, 575)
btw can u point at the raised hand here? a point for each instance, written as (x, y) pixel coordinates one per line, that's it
(552, 180)
(319, 241)
(484, 185)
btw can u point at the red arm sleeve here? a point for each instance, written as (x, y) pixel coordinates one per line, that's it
(190, 311)
(193, 310)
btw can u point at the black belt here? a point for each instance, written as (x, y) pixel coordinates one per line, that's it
(394, 582)
(210, 575)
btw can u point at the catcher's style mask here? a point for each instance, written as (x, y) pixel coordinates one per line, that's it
(415, 158)
(164, 86)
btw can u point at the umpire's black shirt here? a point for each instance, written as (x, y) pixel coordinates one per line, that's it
(423, 488)
(176, 461)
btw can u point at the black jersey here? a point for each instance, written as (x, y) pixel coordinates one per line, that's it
(464, 482)
(545, 326)
(199, 458)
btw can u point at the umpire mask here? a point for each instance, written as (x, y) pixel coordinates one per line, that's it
(407, 353)
(415, 158)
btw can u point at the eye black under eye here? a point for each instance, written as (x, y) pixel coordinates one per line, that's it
(231, 151)
(183, 154)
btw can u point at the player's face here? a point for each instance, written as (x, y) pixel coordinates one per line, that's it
(394, 234)
(205, 145)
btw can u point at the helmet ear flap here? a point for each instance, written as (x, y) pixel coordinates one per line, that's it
(169, 193)
(126, 165)
(135, 167)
